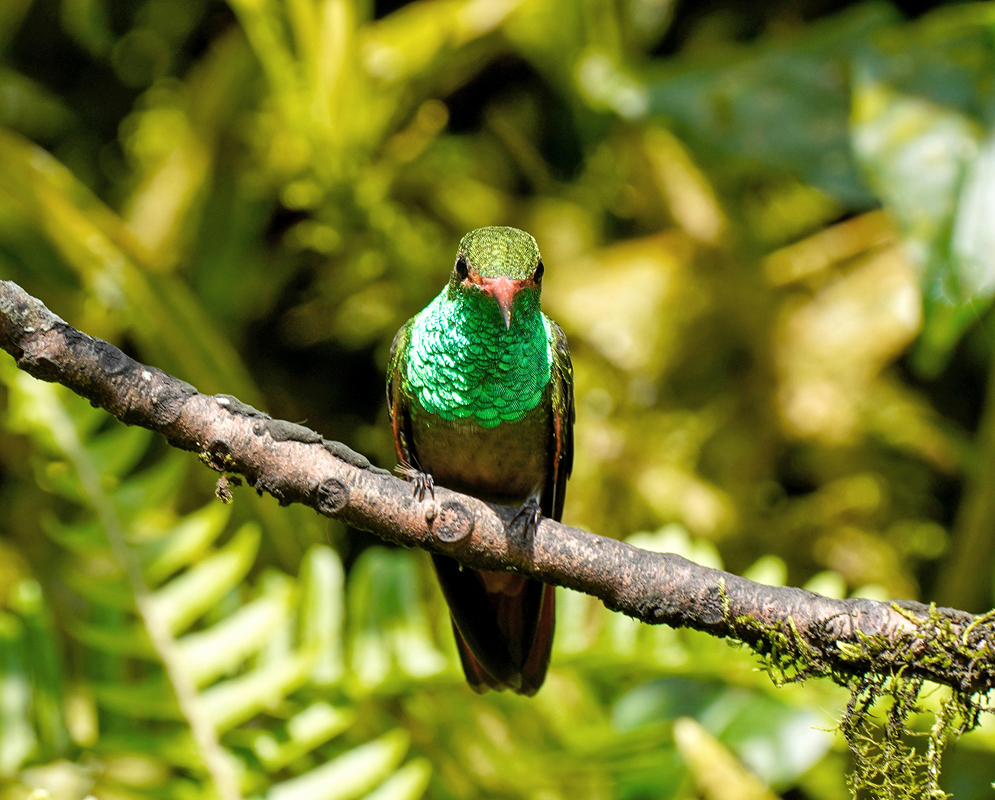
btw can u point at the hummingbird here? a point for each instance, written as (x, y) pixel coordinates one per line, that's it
(481, 401)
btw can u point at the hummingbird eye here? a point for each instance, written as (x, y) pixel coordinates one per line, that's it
(537, 275)
(462, 270)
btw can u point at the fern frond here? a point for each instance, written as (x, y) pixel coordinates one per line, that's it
(191, 666)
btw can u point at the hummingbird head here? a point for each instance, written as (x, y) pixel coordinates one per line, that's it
(502, 263)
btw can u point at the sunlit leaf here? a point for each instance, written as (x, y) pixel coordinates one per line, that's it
(313, 726)
(181, 601)
(350, 775)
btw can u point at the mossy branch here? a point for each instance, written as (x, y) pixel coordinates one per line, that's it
(800, 634)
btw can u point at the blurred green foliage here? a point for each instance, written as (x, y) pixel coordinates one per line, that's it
(768, 236)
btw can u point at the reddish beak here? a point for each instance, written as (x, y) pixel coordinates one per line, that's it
(503, 290)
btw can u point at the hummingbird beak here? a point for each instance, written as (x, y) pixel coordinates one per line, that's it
(503, 290)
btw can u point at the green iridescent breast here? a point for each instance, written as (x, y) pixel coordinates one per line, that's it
(463, 363)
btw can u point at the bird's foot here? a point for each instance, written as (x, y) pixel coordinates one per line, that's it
(422, 481)
(528, 516)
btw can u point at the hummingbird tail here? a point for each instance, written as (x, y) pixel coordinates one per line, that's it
(503, 624)
(534, 668)
(478, 677)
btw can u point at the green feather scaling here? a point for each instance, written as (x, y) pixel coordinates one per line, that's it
(462, 362)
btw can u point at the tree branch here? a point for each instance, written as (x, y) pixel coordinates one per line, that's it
(800, 633)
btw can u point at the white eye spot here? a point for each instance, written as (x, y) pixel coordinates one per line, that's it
(223, 401)
(146, 375)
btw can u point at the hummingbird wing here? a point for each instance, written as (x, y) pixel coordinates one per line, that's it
(563, 413)
(538, 598)
(397, 403)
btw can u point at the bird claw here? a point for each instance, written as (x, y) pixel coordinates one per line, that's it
(422, 481)
(424, 484)
(530, 515)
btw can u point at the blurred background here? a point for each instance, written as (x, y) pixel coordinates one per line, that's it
(769, 232)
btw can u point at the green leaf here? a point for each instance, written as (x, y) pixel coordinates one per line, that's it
(87, 21)
(917, 156)
(220, 649)
(388, 629)
(663, 700)
(349, 776)
(117, 450)
(305, 731)
(28, 601)
(99, 581)
(17, 737)
(777, 742)
(186, 542)
(323, 612)
(151, 698)
(28, 107)
(185, 598)
(922, 110)
(151, 487)
(235, 701)
(408, 783)
(83, 538)
(122, 640)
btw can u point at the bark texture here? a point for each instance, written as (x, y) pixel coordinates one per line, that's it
(799, 632)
